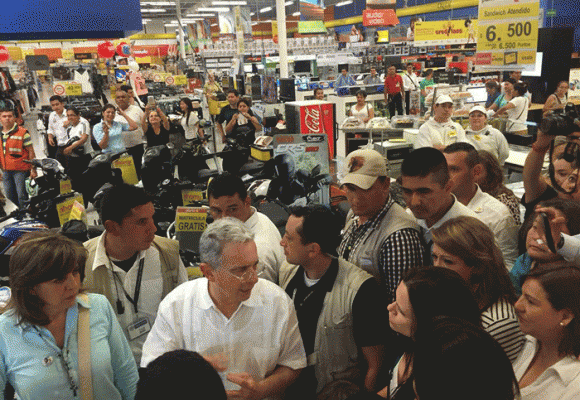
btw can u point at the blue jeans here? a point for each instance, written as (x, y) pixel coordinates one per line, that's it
(14, 186)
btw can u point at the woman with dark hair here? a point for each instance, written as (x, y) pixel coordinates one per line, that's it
(503, 98)
(516, 110)
(463, 352)
(536, 243)
(491, 182)
(558, 99)
(548, 367)
(109, 133)
(362, 110)
(422, 295)
(46, 319)
(156, 127)
(493, 92)
(467, 246)
(189, 120)
(242, 128)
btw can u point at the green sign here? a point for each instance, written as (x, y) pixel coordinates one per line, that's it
(311, 27)
(551, 12)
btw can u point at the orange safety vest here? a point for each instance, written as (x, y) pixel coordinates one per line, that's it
(13, 152)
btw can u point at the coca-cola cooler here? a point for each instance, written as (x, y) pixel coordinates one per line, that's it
(312, 116)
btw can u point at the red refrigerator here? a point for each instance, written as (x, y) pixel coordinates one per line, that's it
(312, 116)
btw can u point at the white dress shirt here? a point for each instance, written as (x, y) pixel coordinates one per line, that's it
(267, 238)
(259, 336)
(410, 82)
(491, 140)
(499, 219)
(136, 137)
(150, 293)
(56, 127)
(561, 381)
(82, 128)
(432, 134)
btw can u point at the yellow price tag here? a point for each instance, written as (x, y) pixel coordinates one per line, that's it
(128, 171)
(78, 212)
(179, 80)
(73, 89)
(512, 11)
(191, 196)
(65, 187)
(508, 36)
(64, 208)
(190, 219)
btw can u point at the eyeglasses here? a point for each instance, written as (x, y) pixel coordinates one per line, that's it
(251, 273)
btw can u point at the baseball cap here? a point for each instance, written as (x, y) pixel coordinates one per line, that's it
(363, 167)
(481, 109)
(443, 99)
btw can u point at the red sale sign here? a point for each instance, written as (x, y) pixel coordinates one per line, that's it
(380, 17)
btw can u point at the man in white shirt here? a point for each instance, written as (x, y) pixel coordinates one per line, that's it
(228, 197)
(134, 140)
(57, 124)
(464, 169)
(427, 191)
(440, 131)
(130, 265)
(77, 154)
(410, 83)
(246, 326)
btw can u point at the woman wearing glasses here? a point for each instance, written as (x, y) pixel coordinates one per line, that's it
(40, 328)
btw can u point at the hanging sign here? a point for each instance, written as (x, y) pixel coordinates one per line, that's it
(384, 17)
(440, 33)
(4, 54)
(180, 79)
(507, 33)
(73, 89)
(59, 89)
(64, 208)
(169, 80)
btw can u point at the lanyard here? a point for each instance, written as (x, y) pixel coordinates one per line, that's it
(135, 299)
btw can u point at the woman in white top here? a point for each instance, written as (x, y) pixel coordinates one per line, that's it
(467, 246)
(362, 110)
(189, 120)
(517, 111)
(485, 137)
(549, 310)
(558, 99)
(423, 294)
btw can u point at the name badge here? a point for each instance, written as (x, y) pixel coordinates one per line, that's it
(138, 328)
(452, 133)
(477, 137)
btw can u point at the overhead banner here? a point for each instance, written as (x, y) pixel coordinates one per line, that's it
(385, 17)
(441, 33)
(507, 33)
(311, 27)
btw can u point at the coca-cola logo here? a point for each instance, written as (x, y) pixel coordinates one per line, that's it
(314, 138)
(312, 119)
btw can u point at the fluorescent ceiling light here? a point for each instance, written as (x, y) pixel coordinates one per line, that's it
(213, 9)
(159, 3)
(159, 10)
(252, 14)
(265, 9)
(288, 3)
(254, 23)
(343, 3)
(296, 14)
(188, 20)
(230, 3)
(201, 15)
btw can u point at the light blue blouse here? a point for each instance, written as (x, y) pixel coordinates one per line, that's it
(38, 369)
(116, 140)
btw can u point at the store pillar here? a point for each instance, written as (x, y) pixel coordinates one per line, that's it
(282, 42)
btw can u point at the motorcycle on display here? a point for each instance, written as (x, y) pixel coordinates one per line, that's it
(99, 173)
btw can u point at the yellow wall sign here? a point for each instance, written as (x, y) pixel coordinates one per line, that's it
(65, 187)
(73, 89)
(190, 219)
(64, 208)
(180, 80)
(127, 167)
(438, 33)
(507, 36)
(191, 196)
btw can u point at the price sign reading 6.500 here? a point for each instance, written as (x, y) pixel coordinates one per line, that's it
(508, 36)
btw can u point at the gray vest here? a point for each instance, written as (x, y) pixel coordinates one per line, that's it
(367, 252)
(335, 353)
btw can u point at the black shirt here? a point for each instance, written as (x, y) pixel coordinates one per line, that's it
(226, 114)
(156, 140)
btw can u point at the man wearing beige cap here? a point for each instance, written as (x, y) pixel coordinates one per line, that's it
(485, 137)
(379, 236)
(440, 131)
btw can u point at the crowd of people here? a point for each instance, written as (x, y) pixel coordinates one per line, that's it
(448, 296)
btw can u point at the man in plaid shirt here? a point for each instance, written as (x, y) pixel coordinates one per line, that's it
(379, 236)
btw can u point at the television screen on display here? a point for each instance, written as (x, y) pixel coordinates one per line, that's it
(287, 89)
(302, 67)
(537, 71)
(269, 89)
(435, 62)
(479, 95)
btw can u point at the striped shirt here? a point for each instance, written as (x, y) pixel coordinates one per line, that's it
(501, 322)
(26, 139)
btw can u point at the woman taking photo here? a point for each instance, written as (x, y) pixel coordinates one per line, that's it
(557, 100)
(47, 317)
(189, 120)
(109, 133)
(467, 246)
(362, 110)
(156, 127)
(422, 295)
(548, 367)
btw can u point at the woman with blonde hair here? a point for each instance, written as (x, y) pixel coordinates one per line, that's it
(46, 319)
(467, 246)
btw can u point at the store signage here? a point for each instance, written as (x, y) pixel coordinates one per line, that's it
(384, 17)
(58, 89)
(440, 33)
(180, 80)
(507, 33)
(311, 27)
(128, 171)
(190, 196)
(81, 56)
(64, 208)
(574, 83)
(190, 219)
(65, 186)
(169, 80)
(73, 89)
